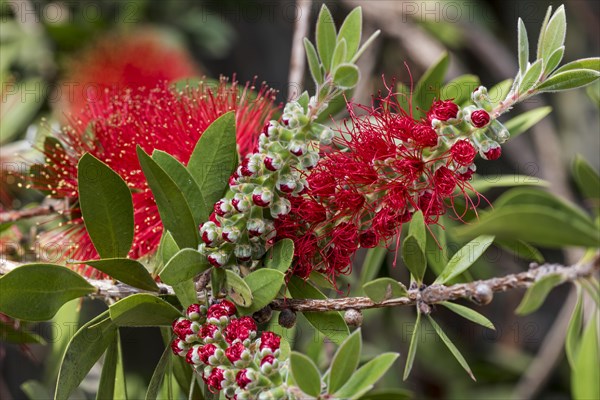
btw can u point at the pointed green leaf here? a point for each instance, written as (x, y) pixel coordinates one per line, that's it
(543, 30)
(588, 181)
(84, 349)
(184, 181)
(555, 33)
(389, 394)
(215, 158)
(537, 293)
(330, 323)
(339, 54)
(571, 79)
(326, 37)
(585, 376)
(264, 285)
(238, 289)
(592, 63)
(186, 292)
(414, 257)
(553, 61)
(363, 380)
(184, 265)
(365, 45)
(10, 334)
(485, 183)
(429, 85)
(455, 352)
(531, 77)
(130, 272)
(522, 122)
(351, 32)
(460, 89)
(469, 314)
(372, 264)
(143, 310)
(313, 62)
(112, 381)
(106, 207)
(280, 256)
(346, 76)
(412, 349)
(35, 292)
(34, 390)
(384, 289)
(306, 374)
(173, 208)
(523, 46)
(574, 330)
(167, 247)
(158, 375)
(344, 362)
(521, 249)
(464, 258)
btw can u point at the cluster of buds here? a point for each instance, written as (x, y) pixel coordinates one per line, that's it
(385, 166)
(242, 225)
(228, 353)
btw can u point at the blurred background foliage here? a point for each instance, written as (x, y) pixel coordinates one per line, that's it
(42, 41)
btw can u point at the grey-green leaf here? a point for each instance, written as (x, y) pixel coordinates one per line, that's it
(339, 54)
(455, 352)
(553, 61)
(543, 32)
(588, 181)
(537, 293)
(412, 349)
(585, 376)
(460, 89)
(554, 37)
(111, 380)
(344, 362)
(351, 31)
(363, 380)
(238, 289)
(464, 258)
(384, 289)
(264, 285)
(280, 256)
(128, 271)
(313, 62)
(414, 257)
(326, 37)
(143, 310)
(523, 46)
(173, 208)
(158, 375)
(571, 79)
(531, 77)
(306, 374)
(106, 207)
(346, 76)
(184, 265)
(372, 264)
(592, 63)
(574, 330)
(526, 120)
(469, 314)
(429, 85)
(35, 292)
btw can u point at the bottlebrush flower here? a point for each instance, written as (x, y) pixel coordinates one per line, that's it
(156, 119)
(118, 61)
(383, 167)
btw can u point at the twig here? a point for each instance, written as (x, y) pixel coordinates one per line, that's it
(298, 61)
(47, 208)
(478, 291)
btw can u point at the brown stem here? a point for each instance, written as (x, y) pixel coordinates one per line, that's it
(480, 292)
(49, 207)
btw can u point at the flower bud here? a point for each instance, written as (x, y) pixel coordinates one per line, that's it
(479, 118)
(280, 207)
(241, 202)
(255, 226)
(273, 162)
(297, 148)
(243, 252)
(262, 196)
(209, 232)
(490, 150)
(194, 312)
(286, 183)
(218, 258)
(223, 208)
(231, 234)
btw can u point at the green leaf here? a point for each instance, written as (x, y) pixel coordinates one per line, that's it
(239, 291)
(215, 158)
(186, 293)
(363, 380)
(264, 285)
(455, 352)
(429, 85)
(34, 390)
(9, 334)
(339, 54)
(351, 32)
(536, 224)
(306, 374)
(412, 349)
(469, 314)
(325, 37)
(313, 62)
(373, 261)
(499, 92)
(184, 265)
(460, 89)
(543, 32)
(523, 46)
(384, 289)
(536, 294)
(414, 257)
(110, 382)
(464, 258)
(143, 310)
(344, 362)
(574, 330)
(130, 272)
(555, 33)
(571, 79)
(553, 61)
(158, 375)
(167, 247)
(84, 349)
(588, 181)
(20, 103)
(522, 122)
(389, 394)
(485, 183)
(521, 249)
(330, 323)
(35, 292)
(173, 208)
(280, 256)
(531, 77)
(592, 63)
(186, 184)
(417, 229)
(346, 76)
(365, 45)
(106, 207)
(585, 376)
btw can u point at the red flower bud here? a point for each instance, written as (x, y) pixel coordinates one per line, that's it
(207, 331)
(206, 351)
(234, 352)
(480, 118)
(267, 359)
(442, 110)
(194, 312)
(214, 379)
(463, 152)
(242, 379)
(270, 340)
(493, 153)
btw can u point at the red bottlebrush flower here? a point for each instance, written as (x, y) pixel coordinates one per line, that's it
(156, 119)
(206, 351)
(444, 181)
(480, 118)
(463, 152)
(270, 340)
(368, 239)
(143, 58)
(242, 378)
(234, 352)
(425, 136)
(442, 110)
(214, 379)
